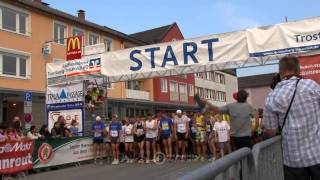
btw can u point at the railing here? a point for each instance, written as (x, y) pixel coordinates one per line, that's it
(137, 94)
(268, 161)
(263, 162)
(232, 166)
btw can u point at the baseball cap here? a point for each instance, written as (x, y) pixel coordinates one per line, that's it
(179, 111)
(98, 118)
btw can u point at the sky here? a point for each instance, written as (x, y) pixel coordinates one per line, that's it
(194, 17)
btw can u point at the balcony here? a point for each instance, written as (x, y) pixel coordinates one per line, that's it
(137, 94)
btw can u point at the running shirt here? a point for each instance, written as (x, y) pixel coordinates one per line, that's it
(222, 129)
(115, 128)
(181, 124)
(139, 128)
(150, 125)
(199, 121)
(193, 130)
(97, 128)
(127, 130)
(166, 125)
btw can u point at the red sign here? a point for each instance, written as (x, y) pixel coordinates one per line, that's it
(74, 48)
(27, 118)
(310, 67)
(45, 153)
(16, 156)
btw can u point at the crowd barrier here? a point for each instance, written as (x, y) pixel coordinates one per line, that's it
(263, 162)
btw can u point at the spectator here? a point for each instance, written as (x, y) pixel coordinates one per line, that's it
(44, 132)
(63, 127)
(55, 131)
(222, 131)
(241, 113)
(294, 108)
(67, 133)
(12, 134)
(74, 129)
(2, 133)
(33, 134)
(18, 125)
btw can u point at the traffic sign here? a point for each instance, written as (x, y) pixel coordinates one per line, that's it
(28, 96)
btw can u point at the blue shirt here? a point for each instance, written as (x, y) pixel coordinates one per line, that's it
(301, 133)
(74, 131)
(97, 128)
(193, 130)
(166, 126)
(115, 127)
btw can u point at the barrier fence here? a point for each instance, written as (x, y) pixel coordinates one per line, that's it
(263, 162)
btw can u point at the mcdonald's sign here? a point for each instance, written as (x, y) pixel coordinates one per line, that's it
(74, 48)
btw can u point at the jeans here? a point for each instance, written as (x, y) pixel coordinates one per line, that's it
(304, 173)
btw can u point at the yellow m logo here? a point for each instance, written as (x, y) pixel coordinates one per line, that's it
(74, 44)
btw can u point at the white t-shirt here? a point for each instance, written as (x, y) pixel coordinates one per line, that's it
(127, 129)
(181, 124)
(222, 129)
(150, 125)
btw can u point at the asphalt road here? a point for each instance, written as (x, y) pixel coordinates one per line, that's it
(167, 171)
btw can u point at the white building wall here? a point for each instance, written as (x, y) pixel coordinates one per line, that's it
(230, 86)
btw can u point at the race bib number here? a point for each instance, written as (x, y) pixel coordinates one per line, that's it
(97, 134)
(193, 129)
(165, 126)
(181, 127)
(128, 131)
(114, 133)
(140, 131)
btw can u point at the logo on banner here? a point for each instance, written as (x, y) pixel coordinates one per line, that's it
(45, 153)
(82, 67)
(74, 48)
(72, 93)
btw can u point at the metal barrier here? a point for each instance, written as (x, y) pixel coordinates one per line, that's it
(264, 162)
(233, 166)
(268, 159)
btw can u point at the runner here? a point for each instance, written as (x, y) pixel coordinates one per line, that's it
(166, 127)
(140, 137)
(181, 127)
(107, 143)
(222, 131)
(128, 139)
(98, 130)
(192, 135)
(151, 135)
(158, 139)
(115, 128)
(201, 136)
(211, 135)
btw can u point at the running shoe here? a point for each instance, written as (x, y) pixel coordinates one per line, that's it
(148, 161)
(114, 162)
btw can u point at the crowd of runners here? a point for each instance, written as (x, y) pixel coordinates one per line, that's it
(173, 136)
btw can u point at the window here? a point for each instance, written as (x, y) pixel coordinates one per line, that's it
(173, 86)
(199, 75)
(13, 65)
(108, 44)
(59, 32)
(79, 32)
(220, 78)
(183, 88)
(220, 96)
(164, 85)
(134, 85)
(191, 90)
(93, 39)
(13, 20)
(200, 91)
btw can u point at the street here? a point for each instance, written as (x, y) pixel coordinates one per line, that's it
(123, 171)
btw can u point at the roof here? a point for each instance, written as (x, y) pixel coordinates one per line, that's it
(51, 11)
(155, 35)
(255, 81)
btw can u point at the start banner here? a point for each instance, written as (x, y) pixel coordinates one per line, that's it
(16, 156)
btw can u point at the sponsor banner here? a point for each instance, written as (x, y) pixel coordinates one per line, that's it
(74, 48)
(69, 116)
(16, 156)
(310, 67)
(285, 38)
(65, 93)
(90, 65)
(56, 152)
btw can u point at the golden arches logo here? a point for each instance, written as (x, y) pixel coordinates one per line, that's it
(74, 43)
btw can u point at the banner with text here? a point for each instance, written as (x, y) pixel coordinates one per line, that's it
(16, 156)
(310, 67)
(56, 152)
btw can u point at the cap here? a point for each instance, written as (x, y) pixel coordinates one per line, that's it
(179, 111)
(98, 118)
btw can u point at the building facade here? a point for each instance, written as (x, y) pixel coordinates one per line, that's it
(25, 27)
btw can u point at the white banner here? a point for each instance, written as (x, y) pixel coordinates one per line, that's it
(286, 38)
(65, 93)
(215, 52)
(73, 151)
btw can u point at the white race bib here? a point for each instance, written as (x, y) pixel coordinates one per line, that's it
(97, 134)
(181, 128)
(140, 131)
(114, 133)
